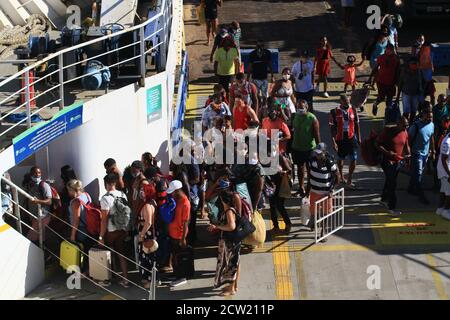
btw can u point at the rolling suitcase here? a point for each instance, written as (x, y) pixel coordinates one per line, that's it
(70, 254)
(184, 263)
(100, 264)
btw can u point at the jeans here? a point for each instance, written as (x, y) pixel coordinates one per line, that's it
(391, 171)
(418, 163)
(277, 204)
(410, 103)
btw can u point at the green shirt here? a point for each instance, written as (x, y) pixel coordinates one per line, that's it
(225, 59)
(303, 132)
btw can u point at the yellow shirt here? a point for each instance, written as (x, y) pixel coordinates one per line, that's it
(225, 60)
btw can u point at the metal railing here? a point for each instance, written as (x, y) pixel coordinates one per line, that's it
(144, 43)
(182, 94)
(17, 208)
(329, 215)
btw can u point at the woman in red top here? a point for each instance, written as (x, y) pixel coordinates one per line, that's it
(243, 114)
(322, 64)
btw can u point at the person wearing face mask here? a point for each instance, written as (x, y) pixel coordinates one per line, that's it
(275, 122)
(135, 197)
(303, 73)
(41, 192)
(217, 109)
(226, 62)
(411, 86)
(260, 64)
(421, 140)
(283, 90)
(322, 179)
(376, 46)
(392, 142)
(306, 137)
(246, 90)
(346, 136)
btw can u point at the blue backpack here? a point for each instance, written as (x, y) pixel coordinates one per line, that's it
(167, 210)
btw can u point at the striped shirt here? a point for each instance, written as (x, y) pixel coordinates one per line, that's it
(321, 178)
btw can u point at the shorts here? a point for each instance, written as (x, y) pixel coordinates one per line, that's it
(225, 81)
(210, 14)
(325, 207)
(410, 103)
(262, 86)
(347, 148)
(445, 186)
(301, 157)
(385, 91)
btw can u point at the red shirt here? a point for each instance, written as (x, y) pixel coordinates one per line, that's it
(279, 124)
(182, 214)
(396, 143)
(241, 118)
(387, 69)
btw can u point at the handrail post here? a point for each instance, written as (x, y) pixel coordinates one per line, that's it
(41, 230)
(27, 98)
(142, 53)
(61, 81)
(16, 209)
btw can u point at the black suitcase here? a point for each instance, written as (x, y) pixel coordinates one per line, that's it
(184, 263)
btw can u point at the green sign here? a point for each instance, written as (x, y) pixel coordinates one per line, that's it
(154, 103)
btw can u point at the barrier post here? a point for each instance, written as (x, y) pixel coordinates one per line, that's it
(41, 231)
(61, 81)
(17, 209)
(142, 53)
(27, 98)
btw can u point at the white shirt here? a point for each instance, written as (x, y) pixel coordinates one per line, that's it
(305, 84)
(107, 204)
(445, 150)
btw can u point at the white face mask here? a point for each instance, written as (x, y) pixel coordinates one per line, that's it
(37, 180)
(286, 76)
(301, 111)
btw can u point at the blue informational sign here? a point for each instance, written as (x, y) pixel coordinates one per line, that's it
(154, 103)
(42, 134)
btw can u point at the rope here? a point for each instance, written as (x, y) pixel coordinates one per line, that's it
(99, 263)
(85, 277)
(13, 38)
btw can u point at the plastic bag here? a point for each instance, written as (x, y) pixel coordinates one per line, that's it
(305, 214)
(258, 237)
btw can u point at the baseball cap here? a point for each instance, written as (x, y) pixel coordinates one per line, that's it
(174, 185)
(320, 148)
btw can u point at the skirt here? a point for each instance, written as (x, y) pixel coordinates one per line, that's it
(227, 262)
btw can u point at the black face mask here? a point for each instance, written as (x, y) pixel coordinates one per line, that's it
(273, 115)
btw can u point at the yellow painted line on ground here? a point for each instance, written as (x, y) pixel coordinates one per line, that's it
(4, 227)
(437, 278)
(283, 281)
(301, 278)
(109, 297)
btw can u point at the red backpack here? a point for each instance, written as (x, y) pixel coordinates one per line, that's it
(56, 199)
(370, 154)
(93, 218)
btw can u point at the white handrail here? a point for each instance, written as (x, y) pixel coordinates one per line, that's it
(84, 44)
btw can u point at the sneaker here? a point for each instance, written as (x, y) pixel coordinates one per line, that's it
(446, 214)
(439, 211)
(178, 282)
(326, 95)
(104, 283)
(125, 284)
(395, 212)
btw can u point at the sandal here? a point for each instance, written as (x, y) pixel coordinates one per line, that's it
(125, 284)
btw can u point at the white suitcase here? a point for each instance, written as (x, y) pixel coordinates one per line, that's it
(100, 264)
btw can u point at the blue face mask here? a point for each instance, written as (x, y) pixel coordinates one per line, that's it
(36, 179)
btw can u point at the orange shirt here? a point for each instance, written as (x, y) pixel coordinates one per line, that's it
(349, 74)
(182, 214)
(279, 124)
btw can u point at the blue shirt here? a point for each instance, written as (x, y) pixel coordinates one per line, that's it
(421, 134)
(81, 236)
(209, 114)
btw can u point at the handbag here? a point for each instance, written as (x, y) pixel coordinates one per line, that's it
(285, 187)
(243, 229)
(269, 187)
(258, 237)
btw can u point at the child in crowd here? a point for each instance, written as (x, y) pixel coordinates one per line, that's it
(350, 71)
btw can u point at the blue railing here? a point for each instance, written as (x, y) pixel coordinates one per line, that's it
(180, 109)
